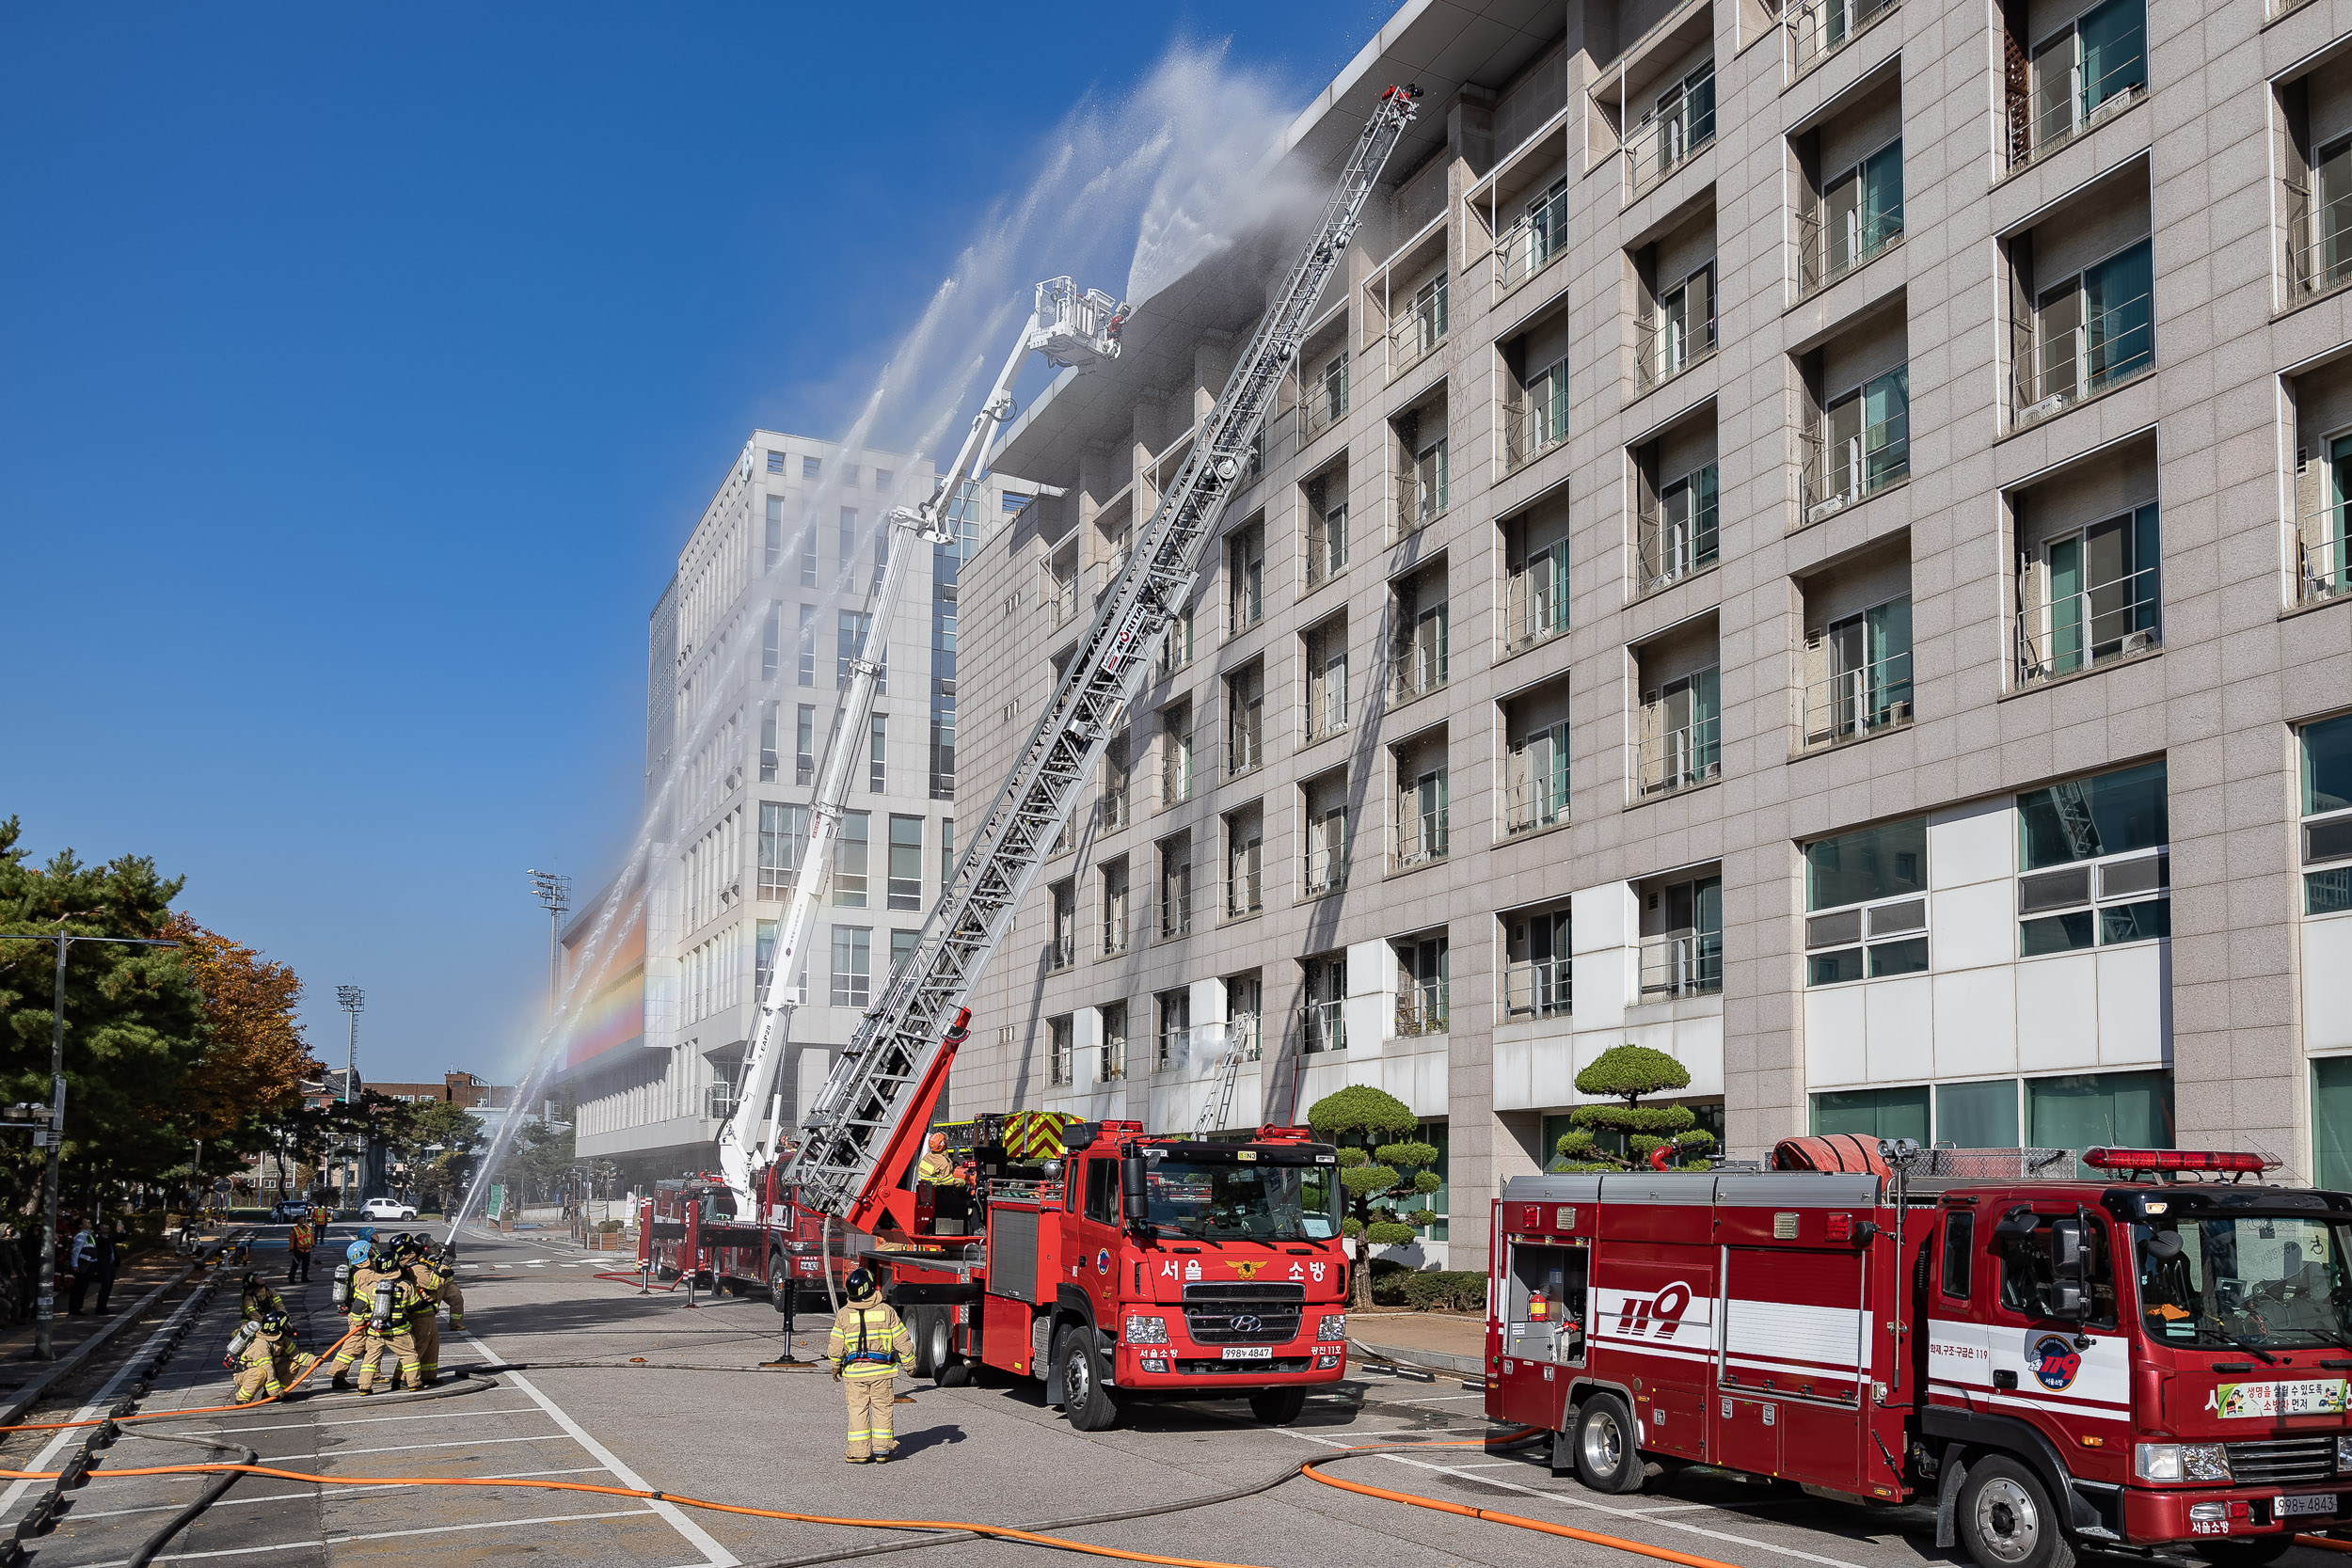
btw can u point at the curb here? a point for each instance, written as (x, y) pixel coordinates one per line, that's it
(26, 1397)
(1423, 1360)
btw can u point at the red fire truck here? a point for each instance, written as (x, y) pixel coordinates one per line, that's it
(2137, 1360)
(695, 1224)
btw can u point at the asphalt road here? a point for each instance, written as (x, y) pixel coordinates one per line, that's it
(701, 1417)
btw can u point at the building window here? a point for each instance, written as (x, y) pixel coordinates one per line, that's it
(2332, 1122)
(1681, 121)
(947, 852)
(1679, 535)
(1245, 710)
(1538, 970)
(811, 467)
(804, 744)
(782, 840)
(2327, 779)
(2096, 65)
(770, 762)
(775, 466)
(808, 557)
(1114, 807)
(1113, 1064)
(1245, 847)
(1323, 1012)
(1538, 419)
(1326, 850)
(883, 478)
(1423, 985)
(1681, 741)
(1176, 648)
(1058, 1051)
(1682, 939)
(1175, 1028)
(1422, 325)
(763, 959)
(1426, 489)
(876, 752)
(1175, 886)
(1861, 214)
(849, 861)
(1245, 577)
(1535, 780)
(1861, 446)
(1327, 527)
(1858, 673)
(2321, 235)
(1176, 755)
(902, 945)
(1900, 1113)
(2088, 595)
(1540, 234)
(1680, 332)
(849, 633)
(2090, 332)
(906, 863)
(1064, 949)
(1325, 395)
(1115, 931)
(853, 965)
(1422, 655)
(776, 524)
(1326, 678)
(1865, 899)
(1421, 813)
(849, 535)
(1245, 1012)
(2093, 866)
(807, 670)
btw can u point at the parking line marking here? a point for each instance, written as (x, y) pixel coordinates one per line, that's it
(307, 1492)
(373, 1421)
(409, 1448)
(307, 1545)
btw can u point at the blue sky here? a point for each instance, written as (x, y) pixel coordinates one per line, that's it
(363, 372)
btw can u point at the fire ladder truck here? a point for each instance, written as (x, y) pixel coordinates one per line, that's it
(1133, 1267)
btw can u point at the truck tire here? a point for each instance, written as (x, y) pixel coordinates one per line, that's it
(918, 1322)
(935, 1343)
(1278, 1407)
(1608, 1455)
(1086, 1400)
(2007, 1519)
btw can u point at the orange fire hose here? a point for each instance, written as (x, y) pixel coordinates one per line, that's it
(1517, 1520)
(199, 1410)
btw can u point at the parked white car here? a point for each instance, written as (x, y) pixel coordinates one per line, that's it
(386, 1209)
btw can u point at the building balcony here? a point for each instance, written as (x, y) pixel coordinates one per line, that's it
(1175, 916)
(2322, 264)
(1116, 935)
(1421, 1011)
(1681, 964)
(2085, 101)
(1672, 136)
(1667, 346)
(2094, 625)
(2114, 346)
(1528, 246)
(1420, 841)
(1062, 953)
(2323, 557)
(1325, 871)
(1532, 429)
(1536, 600)
(1858, 702)
(1820, 28)
(1422, 498)
(1323, 1026)
(1416, 672)
(1535, 804)
(1675, 546)
(1835, 246)
(1680, 758)
(1416, 334)
(1536, 988)
(1843, 472)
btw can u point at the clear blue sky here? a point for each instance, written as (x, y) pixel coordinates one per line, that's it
(363, 370)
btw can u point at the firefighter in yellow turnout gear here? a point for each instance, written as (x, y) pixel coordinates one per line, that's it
(271, 1360)
(366, 1268)
(392, 1300)
(437, 1287)
(867, 1351)
(255, 1298)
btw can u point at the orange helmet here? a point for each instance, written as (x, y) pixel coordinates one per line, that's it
(939, 1143)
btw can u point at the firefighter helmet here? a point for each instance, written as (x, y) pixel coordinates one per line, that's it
(358, 1253)
(860, 1284)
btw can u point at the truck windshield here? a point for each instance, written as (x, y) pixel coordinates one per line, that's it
(2252, 1279)
(1245, 1203)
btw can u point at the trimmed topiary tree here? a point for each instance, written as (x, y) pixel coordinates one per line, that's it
(1627, 1073)
(1383, 1169)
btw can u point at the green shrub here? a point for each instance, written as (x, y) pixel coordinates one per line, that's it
(1461, 1290)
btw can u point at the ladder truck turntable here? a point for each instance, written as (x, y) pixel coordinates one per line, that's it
(2052, 1364)
(1134, 1267)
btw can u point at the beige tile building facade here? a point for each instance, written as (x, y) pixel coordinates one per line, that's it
(1813, 542)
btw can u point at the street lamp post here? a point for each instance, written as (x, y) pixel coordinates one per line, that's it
(52, 1136)
(350, 999)
(555, 892)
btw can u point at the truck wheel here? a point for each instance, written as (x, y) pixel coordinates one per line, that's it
(934, 1344)
(1278, 1407)
(1608, 1458)
(2007, 1519)
(1086, 1403)
(2246, 1554)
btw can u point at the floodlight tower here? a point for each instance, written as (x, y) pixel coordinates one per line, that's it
(555, 892)
(350, 999)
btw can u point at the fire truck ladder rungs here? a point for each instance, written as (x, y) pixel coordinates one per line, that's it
(851, 1122)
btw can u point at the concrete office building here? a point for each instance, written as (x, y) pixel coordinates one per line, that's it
(1809, 539)
(747, 649)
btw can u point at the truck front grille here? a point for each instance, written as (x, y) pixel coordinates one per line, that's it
(1240, 1314)
(2286, 1459)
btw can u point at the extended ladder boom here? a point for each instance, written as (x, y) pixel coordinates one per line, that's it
(1068, 328)
(893, 1065)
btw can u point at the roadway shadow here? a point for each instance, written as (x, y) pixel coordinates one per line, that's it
(930, 1437)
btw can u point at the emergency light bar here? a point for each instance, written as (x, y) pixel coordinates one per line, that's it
(2177, 1158)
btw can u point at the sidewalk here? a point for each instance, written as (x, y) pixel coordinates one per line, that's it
(1447, 1339)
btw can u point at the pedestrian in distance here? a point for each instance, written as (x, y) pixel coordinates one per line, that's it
(868, 1349)
(300, 1239)
(81, 1256)
(107, 1258)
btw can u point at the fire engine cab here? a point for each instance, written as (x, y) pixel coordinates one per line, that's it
(2157, 1357)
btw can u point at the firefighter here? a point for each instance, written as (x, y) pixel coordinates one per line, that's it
(868, 1349)
(436, 1286)
(366, 1268)
(257, 1297)
(938, 1167)
(392, 1300)
(271, 1359)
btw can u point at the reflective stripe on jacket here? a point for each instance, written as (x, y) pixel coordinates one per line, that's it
(870, 1340)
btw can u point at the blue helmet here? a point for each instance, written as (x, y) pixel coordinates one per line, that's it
(358, 1253)
(366, 1233)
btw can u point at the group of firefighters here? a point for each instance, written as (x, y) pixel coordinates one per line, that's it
(392, 1300)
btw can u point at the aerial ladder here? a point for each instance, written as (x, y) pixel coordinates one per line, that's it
(1070, 328)
(860, 1137)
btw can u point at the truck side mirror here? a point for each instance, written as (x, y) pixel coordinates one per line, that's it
(1135, 1196)
(2068, 1294)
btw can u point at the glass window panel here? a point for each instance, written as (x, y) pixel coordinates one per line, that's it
(2327, 891)
(1976, 1116)
(1830, 969)
(2113, 53)
(2111, 813)
(2332, 1122)
(2057, 933)
(2327, 765)
(1884, 862)
(2136, 922)
(1908, 956)
(1873, 1113)
(2133, 1110)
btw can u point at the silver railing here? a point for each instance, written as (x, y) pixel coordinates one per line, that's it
(2323, 263)
(1820, 28)
(1418, 332)
(2089, 627)
(1668, 347)
(1421, 840)
(1870, 236)
(1175, 781)
(1670, 137)
(1323, 404)
(1175, 912)
(1861, 701)
(2323, 556)
(1528, 246)
(1421, 499)
(1840, 473)
(1672, 548)
(1535, 804)
(2109, 349)
(1061, 598)
(1327, 547)
(1682, 964)
(1324, 871)
(1680, 758)
(1064, 952)
(1537, 988)
(2115, 88)
(1530, 430)
(1324, 1025)
(1416, 670)
(1422, 1010)
(1536, 600)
